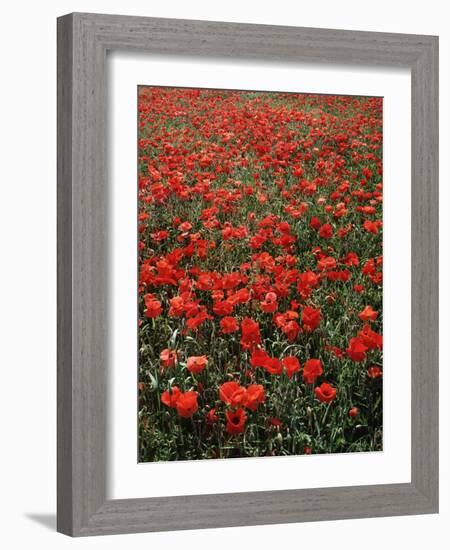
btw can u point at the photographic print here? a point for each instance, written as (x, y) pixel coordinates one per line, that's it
(260, 242)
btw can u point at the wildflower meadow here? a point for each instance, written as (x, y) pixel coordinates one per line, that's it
(260, 274)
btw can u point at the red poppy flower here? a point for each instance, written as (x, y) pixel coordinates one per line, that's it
(185, 226)
(195, 322)
(223, 307)
(311, 318)
(326, 231)
(270, 304)
(312, 370)
(143, 216)
(255, 396)
(170, 398)
(258, 358)
(153, 307)
(177, 306)
(284, 227)
(356, 349)
(370, 338)
(273, 366)
(235, 421)
(374, 372)
(326, 263)
(291, 330)
(159, 236)
(251, 336)
(231, 393)
(291, 365)
(306, 282)
(368, 314)
(371, 227)
(168, 357)
(314, 223)
(241, 296)
(228, 325)
(186, 404)
(369, 267)
(196, 364)
(353, 412)
(351, 259)
(325, 392)
(343, 275)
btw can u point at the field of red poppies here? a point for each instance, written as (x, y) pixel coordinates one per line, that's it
(260, 274)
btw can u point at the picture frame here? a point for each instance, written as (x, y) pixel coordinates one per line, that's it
(83, 41)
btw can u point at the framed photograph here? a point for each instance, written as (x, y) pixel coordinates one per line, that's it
(247, 274)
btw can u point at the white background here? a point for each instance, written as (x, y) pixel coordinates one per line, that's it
(28, 268)
(127, 479)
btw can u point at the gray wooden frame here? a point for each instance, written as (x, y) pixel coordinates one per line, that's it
(83, 40)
